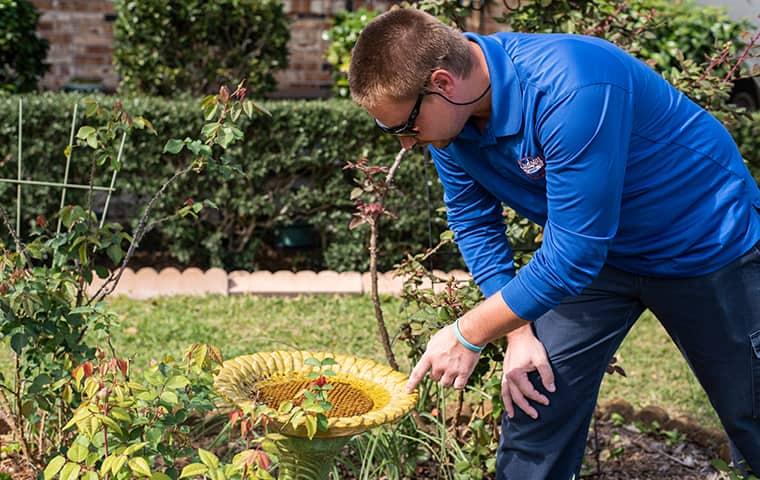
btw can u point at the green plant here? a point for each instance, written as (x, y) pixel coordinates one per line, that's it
(345, 30)
(133, 425)
(22, 52)
(191, 46)
(124, 421)
(731, 471)
(47, 304)
(311, 406)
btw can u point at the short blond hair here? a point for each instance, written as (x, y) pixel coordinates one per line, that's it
(397, 52)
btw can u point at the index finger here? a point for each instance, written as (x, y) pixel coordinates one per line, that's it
(418, 373)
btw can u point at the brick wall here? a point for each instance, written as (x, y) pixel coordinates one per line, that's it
(80, 33)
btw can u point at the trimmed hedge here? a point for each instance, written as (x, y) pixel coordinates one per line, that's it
(293, 163)
(22, 52)
(192, 46)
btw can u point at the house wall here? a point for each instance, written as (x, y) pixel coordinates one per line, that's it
(80, 33)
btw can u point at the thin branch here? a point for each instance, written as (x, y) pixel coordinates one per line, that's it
(394, 167)
(745, 53)
(382, 329)
(16, 422)
(20, 248)
(110, 284)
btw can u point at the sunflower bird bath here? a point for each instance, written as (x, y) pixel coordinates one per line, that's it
(364, 395)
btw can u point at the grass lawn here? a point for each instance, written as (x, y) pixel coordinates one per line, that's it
(657, 375)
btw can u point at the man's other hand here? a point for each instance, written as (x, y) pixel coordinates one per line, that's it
(525, 353)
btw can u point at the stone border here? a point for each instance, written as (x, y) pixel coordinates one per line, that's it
(149, 283)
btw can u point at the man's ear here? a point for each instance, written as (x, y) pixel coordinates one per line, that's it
(443, 81)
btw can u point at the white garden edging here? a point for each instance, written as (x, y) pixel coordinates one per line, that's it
(149, 283)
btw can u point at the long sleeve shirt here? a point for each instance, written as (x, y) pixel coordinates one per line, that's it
(618, 166)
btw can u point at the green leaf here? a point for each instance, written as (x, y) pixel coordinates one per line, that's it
(212, 111)
(285, 407)
(85, 132)
(312, 362)
(90, 476)
(105, 467)
(70, 471)
(193, 470)
(248, 108)
(53, 467)
(101, 271)
(720, 465)
(177, 382)
(260, 108)
(208, 458)
(311, 426)
(122, 415)
(77, 453)
(160, 476)
(140, 466)
(118, 464)
(170, 398)
(92, 141)
(134, 448)
(110, 423)
(18, 342)
(209, 130)
(174, 146)
(322, 423)
(115, 253)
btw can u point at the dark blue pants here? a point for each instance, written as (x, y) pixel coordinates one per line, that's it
(713, 319)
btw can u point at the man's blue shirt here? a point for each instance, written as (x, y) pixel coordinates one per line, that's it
(616, 164)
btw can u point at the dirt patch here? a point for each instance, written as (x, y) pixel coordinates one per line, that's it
(616, 451)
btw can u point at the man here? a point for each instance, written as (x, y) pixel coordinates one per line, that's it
(644, 200)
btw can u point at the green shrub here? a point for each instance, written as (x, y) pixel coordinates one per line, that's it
(342, 36)
(651, 29)
(164, 48)
(22, 53)
(293, 163)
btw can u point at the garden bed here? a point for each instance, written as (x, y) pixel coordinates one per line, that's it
(616, 450)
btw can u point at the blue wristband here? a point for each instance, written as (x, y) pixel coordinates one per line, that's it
(469, 346)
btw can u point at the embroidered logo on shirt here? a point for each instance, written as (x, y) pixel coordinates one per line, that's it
(533, 166)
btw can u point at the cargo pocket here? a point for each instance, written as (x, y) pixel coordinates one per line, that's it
(755, 340)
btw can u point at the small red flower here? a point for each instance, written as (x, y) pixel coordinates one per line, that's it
(245, 427)
(41, 221)
(321, 381)
(262, 459)
(88, 368)
(224, 94)
(123, 366)
(235, 416)
(189, 202)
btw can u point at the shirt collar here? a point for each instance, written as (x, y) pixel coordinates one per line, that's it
(506, 95)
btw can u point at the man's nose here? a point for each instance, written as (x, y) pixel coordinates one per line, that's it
(407, 142)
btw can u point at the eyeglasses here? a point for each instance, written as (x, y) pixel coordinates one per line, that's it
(407, 129)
